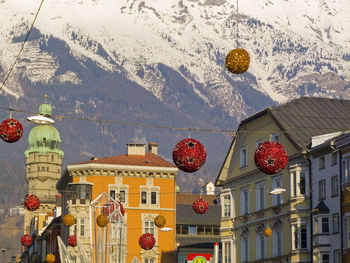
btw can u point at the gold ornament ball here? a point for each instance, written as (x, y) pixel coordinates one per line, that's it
(102, 220)
(68, 220)
(160, 221)
(50, 258)
(237, 61)
(267, 232)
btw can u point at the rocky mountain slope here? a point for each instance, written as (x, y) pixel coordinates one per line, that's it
(162, 63)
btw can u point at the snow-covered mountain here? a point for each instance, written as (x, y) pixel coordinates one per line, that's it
(296, 47)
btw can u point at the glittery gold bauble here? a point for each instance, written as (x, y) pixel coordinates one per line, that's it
(237, 61)
(159, 221)
(267, 232)
(50, 258)
(102, 220)
(68, 220)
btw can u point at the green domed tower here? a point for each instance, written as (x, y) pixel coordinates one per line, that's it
(44, 163)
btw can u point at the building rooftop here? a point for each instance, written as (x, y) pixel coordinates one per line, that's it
(197, 241)
(185, 215)
(185, 198)
(148, 159)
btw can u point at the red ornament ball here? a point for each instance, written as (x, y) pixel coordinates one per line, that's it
(147, 241)
(200, 206)
(270, 157)
(11, 130)
(72, 241)
(26, 240)
(31, 202)
(189, 155)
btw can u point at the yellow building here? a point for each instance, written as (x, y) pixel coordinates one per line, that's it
(248, 206)
(145, 185)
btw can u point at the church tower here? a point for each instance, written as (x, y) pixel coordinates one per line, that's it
(43, 165)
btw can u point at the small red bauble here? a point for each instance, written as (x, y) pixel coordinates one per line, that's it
(189, 155)
(270, 157)
(31, 202)
(72, 241)
(11, 130)
(108, 208)
(147, 241)
(200, 206)
(26, 240)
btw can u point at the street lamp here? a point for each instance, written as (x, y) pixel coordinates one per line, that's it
(166, 229)
(277, 191)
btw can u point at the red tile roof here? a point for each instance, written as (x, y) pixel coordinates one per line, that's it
(185, 198)
(149, 159)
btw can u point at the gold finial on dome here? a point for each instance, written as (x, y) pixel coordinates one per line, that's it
(45, 97)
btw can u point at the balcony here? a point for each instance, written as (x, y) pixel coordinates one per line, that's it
(321, 239)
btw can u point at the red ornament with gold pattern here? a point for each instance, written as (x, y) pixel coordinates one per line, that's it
(109, 207)
(26, 240)
(72, 241)
(147, 241)
(31, 202)
(270, 157)
(11, 130)
(189, 155)
(200, 206)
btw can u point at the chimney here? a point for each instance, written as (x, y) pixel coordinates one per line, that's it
(153, 148)
(136, 148)
(209, 188)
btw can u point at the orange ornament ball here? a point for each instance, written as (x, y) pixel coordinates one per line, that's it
(160, 221)
(68, 220)
(50, 258)
(237, 61)
(267, 232)
(102, 220)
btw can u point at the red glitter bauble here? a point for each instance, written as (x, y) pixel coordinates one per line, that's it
(189, 155)
(147, 241)
(72, 241)
(200, 206)
(108, 208)
(26, 240)
(31, 202)
(11, 130)
(270, 157)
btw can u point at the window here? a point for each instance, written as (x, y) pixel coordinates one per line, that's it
(143, 197)
(192, 230)
(334, 159)
(82, 227)
(325, 258)
(227, 252)
(178, 229)
(243, 157)
(276, 183)
(275, 137)
(322, 189)
(149, 227)
(336, 256)
(227, 205)
(244, 249)
(335, 223)
(277, 241)
(260, 196)
(258, 142)
(153, 198)
(122, 196)
(299, 235)
(260, 246)
(244, 201)
(302, 183)
(200, 230)
(149, 260)
(321, 163)
(112, 193)
(184, 230)
(216, 231)
(325, 224)
(335, 185)
(303, 236)
(347, 170)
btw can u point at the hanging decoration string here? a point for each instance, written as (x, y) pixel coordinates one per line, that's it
(237, 28)
(20, 51)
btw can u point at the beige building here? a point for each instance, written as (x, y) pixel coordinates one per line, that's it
(248, 206)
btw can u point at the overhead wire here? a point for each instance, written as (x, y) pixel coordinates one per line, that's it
(22, 47)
